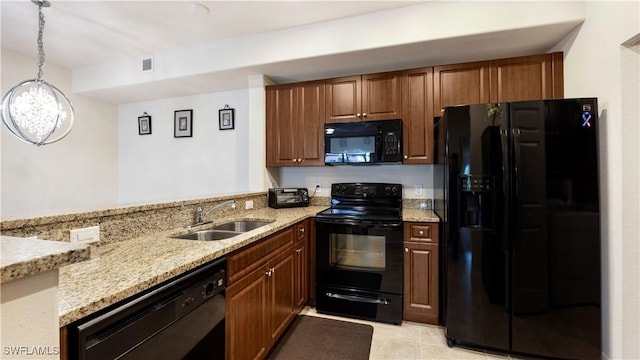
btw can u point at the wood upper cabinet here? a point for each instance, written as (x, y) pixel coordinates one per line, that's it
(364, 97)
(295, 118)
(527, 78)
(417, 116)
(460, 84)
(421, 284)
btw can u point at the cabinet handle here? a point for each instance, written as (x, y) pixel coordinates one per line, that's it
(364, 114)
(421, 232)
(294, 160)
(406, 250)
(406, 157)
(299, 160)
(298, 250)
(358, 115)
(268, 273)
(301, 230)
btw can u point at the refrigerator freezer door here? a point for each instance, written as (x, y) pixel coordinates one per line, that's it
(476, 253)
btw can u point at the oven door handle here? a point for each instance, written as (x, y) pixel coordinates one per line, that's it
(358, 222)
(361, 299)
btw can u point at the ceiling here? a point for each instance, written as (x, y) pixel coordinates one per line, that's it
(85, 33)
(81, 34)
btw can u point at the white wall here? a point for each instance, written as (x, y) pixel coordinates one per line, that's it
(407, 175)
(592, 67)
(77, 172)
(29, 317)
(159, 167)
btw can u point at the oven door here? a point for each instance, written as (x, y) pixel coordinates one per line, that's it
(359, 256)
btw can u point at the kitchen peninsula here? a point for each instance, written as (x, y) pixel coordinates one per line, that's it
(29, 271)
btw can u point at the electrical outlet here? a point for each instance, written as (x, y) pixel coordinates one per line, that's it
(86, 235)
(419, 190)
(248, 205)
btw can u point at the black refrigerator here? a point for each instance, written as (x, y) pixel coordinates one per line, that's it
(516, 185)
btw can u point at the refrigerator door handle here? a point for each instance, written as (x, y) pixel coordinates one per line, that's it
(516, 179)
(504, 142)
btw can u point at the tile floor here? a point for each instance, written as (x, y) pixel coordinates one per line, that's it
(411, 341)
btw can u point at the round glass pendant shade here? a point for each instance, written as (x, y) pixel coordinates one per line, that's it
(37, 112)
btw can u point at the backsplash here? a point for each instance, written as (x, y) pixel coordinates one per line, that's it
(128, 222)
(422, 204)
(125, 223)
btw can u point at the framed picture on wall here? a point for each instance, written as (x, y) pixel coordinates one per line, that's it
(182, 123)
(144, 124)
(226, 118)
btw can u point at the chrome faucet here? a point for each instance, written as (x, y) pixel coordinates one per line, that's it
(200, 214)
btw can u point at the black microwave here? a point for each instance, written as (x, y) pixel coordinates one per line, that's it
(363, 142)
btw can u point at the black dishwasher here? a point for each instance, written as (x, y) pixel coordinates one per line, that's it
(183, 318)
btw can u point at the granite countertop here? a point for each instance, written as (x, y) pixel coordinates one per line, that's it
(20, 257)
(419, 215)
(123, 269)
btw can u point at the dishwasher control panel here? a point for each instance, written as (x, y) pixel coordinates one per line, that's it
(201, 291)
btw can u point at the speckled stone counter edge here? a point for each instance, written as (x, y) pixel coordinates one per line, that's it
(20, 258)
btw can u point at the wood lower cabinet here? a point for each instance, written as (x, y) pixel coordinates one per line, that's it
(417, 116)
(302, 264)
(421, 284)
(364, 97)
(295, 117)
(268, 286)
(281, 290)
(246, 322)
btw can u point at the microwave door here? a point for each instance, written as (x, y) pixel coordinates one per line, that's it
(358, 158)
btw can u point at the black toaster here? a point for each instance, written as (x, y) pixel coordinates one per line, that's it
(288, 197)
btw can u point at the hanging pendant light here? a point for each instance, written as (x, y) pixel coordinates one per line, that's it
(35, 111)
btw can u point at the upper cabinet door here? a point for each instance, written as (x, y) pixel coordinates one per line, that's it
(343, 99)
(295, 115)
(366, 97)
(381, 96)
(417, 116)
(460, 84)
(534, 77)
(281, 126)
(310, 136)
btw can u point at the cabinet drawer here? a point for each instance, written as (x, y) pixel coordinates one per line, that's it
(421, 232)
(248, 259)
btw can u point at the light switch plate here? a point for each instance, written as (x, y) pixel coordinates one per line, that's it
(419, 190)
(86, 235)
(248, 204)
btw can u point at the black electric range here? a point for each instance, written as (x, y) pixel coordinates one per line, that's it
(359, 252)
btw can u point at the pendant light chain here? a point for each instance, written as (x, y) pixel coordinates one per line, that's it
(41, 56)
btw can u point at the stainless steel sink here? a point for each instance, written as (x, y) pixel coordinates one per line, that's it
(208, 235)
(224, 231)
(242, 225)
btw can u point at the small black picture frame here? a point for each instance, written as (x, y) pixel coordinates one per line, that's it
(182, 123)
(144, 124)
(226, 118)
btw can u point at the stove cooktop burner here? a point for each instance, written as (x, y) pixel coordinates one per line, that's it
(358, 214)
(369, 202)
